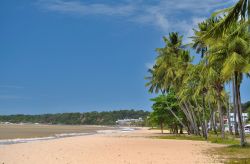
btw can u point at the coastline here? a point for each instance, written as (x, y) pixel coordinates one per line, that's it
(106, 130)
(134, 147)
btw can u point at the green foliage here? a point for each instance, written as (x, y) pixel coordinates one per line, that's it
(224, 44)
(248, 111)
(233, 153)
(159, 116)
(212, 138)
(231, 15)
(88, 118)
(182, 137)
(163, 107)
(246, 106)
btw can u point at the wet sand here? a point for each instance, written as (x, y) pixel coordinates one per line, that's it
(12, 131)
(110, 148)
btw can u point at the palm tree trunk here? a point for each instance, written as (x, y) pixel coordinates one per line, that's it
(191, 109)
(193, 117)
(236, 131)
(204, 117)
(179, 120)
(221, 119)
(200, 119)
(212, 119)
(181, 129)
(191, 127)
(189, 118)
(238, 103)
(161, 127)
(229, 118)
(215, 123)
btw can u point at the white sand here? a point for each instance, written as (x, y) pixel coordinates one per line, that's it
(125, 148)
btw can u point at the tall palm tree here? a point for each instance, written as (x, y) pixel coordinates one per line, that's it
(211, 70)
(234, 49)
(201, 48)
(169, 70)
(214, 81)
(238, 14)
(236, 64)
(240, 11)
(203, 28)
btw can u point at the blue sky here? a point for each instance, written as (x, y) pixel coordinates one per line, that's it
(77, 56)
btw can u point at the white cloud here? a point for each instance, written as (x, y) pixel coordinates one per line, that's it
(166, 15)
(189, 28)
(76, 7)
(149, 65)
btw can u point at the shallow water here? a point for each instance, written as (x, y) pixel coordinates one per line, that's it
(24, 140)
(13, 131)
(30, 133)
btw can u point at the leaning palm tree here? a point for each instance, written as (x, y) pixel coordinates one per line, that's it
(191, 94)
(234, 49)
(200, 90)
(240, 11)
(169, 70)
(236, 64)
(198, 42)
(214, 81)
(201, 48)
(162, 74)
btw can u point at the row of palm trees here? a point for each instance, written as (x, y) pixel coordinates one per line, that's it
(224, 45)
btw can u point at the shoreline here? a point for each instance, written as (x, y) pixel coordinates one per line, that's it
(134, 147)
(65, 135)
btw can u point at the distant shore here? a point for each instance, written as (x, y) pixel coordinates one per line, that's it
(134, 147)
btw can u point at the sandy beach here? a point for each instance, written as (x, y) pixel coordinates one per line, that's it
(112, 148)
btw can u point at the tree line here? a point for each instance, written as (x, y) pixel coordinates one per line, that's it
(88, 118)
(223, 43)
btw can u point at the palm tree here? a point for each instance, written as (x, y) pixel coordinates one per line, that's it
(193, 91)
(201, 48)
(236, 131)
(241, 10)
(228, 106)
(203, 28)
(233, 48)
(212, 79)
(235, 18)
(236, 64)
(169, 70)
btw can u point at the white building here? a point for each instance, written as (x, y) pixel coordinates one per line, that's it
(244, 119)
(128, 121)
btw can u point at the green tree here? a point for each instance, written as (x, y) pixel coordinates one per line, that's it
(239, 12)
(232, 53)
(170, 68)
(166, 112)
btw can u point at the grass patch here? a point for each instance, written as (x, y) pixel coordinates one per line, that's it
(233, 154)
(230, 153)
(211, 138)
(227, 141)
(182, 137)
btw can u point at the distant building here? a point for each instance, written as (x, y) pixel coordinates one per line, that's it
(5, 123)
(129, 121)
(231, 117)
(244, 118)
